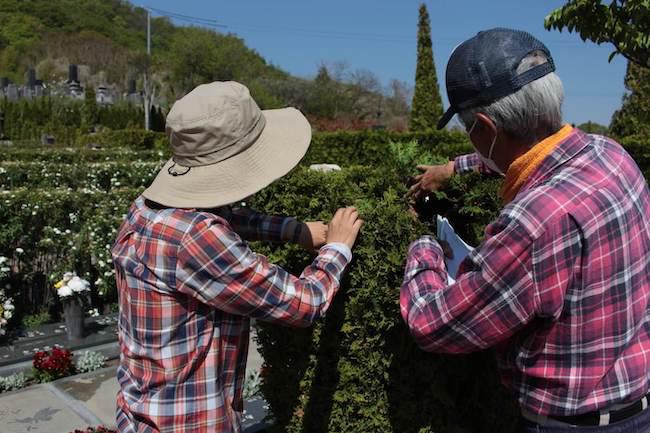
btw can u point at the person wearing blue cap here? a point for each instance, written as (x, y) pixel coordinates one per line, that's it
(560, 286)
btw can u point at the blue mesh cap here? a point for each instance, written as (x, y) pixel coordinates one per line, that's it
(484, 68)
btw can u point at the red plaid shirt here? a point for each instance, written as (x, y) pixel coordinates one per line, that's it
(560, 285)
(187, 286)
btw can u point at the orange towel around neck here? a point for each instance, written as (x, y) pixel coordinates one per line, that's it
(522, 167)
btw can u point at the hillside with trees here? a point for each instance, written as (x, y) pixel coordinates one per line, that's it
(107, 38)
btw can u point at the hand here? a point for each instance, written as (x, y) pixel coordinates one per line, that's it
(313, 235)
(433, 178)
(446, 249)
(344, 227)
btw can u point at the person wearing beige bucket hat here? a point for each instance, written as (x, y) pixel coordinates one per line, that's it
(187, 280)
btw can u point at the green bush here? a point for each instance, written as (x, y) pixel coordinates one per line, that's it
(359, 370)
(373, 148)
(48, 232)
(139, 139)
(97, 175)
(76, 155)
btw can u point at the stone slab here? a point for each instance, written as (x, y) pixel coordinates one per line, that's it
(37, 409)
(96, 391)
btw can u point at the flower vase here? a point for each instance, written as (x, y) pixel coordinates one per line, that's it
(74, 318)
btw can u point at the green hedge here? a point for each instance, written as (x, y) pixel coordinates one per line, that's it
(137, 139)
(373, 148)
(359, 370)
(97, 175)
(48, 232)
(75, 155)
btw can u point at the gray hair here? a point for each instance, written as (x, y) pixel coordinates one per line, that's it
(531, 113)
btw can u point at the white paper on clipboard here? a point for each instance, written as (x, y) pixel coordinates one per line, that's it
(445, 232)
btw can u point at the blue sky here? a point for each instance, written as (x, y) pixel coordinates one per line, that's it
(380, 36)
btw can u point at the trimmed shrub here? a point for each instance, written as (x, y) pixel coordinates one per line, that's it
(138, 139)
(359, 370)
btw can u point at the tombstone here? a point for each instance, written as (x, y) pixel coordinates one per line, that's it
(31, 77)
(12, 92)
(73, 74)
(47, 140)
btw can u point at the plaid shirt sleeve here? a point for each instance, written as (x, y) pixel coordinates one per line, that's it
(253, 226)
(470, 162)
(218, 268)
(504, 283)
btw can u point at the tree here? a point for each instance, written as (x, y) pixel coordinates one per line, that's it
(634, 115)
(623, 23)
(90, 113)
(426, 108)
(593, 128)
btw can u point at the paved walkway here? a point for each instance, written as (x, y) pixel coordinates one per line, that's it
(86, 400)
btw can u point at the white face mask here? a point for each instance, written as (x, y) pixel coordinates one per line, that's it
(487, 160)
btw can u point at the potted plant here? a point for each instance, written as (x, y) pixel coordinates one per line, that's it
(73, 292)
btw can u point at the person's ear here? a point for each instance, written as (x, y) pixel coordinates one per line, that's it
(486, 124)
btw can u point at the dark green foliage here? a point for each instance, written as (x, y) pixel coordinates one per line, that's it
(63, 118)
(426, 108)
(624, 24)
(593, 128)
(634, 115)
(90, 113)
(638, 146)
(359, 370)
(136, 139)
(373, 148)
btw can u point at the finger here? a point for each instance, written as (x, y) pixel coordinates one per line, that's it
(338, 214)
(418, 178)
(353, 216)
(357, 225)
(415, 191)
(422, 167)
(348, 211)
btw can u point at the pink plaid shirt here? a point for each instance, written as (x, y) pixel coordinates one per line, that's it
(560, 285)
(187, 286)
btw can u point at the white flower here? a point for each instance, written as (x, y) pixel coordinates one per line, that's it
(64, 291)
(8, 306)
(3, 259)
(67, 277)
(78, 285)
(20, 250)
(8, 315)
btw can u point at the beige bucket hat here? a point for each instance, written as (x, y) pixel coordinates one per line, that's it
(225, 148)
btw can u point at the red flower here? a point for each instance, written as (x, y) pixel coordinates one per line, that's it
(56, 364)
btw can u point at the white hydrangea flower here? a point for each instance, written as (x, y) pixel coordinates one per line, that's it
(64, 291)
(20, 250)
(78, 285)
